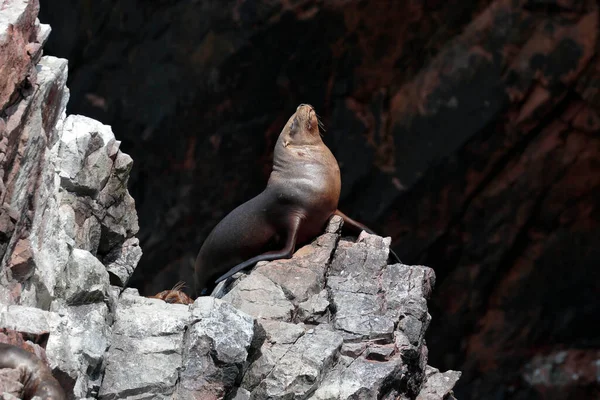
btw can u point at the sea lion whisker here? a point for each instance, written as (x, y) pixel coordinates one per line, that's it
(321, 125)
(179, 285)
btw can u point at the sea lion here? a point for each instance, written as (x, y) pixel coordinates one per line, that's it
(302, 193)
(174, 296)
(35, 375)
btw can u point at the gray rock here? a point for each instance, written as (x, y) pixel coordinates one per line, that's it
(216, 348)
(303, 275)
(146, 351)
(360, 379)
(29, 320)
(258, 296)
(353, 350)
(85, 279)
(122, 260)
(35, 118)
(231, 330)
(241, 394)
(77, 348)
(279, 337)
(400, 281)
(406, 289)
(380, 352)
(91, 166)
(279, 332)
(361, 315)
(298, 373)
(314, 308)
(439, 385)
(355, 286)
(84, 164)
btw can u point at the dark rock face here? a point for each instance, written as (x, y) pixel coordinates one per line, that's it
(466, 130)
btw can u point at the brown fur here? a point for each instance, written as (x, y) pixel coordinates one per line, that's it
(301, 195)
(36, 376)
(174, 296)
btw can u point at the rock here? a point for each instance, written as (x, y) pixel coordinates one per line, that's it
(145, 355)
(30, 188)
(241, 394)
(28, 319)
(85, 164)
(260, 297)
(18, 26)
(85, 281)
(298, 373)
(438, 385)
(78, 347)
(21, 263)
(314, 308)
(353, 278)
(95, 173)
(303, 276)
(279, 337)
(360, 379)
(217, 345)
(121, 261)
(375, 344)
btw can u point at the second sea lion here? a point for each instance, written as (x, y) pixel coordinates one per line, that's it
(301, 195)
(35, 375)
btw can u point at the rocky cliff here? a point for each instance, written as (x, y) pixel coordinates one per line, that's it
(467, 130)
(334, 322)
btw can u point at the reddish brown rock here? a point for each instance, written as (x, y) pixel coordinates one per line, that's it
(17, 67)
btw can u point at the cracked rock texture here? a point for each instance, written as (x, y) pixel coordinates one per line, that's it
(342, 323)
(334, 322)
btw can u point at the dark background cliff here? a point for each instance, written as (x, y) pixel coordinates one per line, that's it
(466, 130)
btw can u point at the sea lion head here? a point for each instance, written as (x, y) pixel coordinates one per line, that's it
(302, 128)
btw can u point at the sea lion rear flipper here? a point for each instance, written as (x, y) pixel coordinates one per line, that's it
(286, 252)
(358, 227)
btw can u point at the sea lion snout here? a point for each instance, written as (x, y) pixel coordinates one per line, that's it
(306, 117)
(304, 105)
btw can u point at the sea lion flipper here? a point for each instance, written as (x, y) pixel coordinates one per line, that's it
(358, 227)
(36, 376)
(354, 225)
(286, 252)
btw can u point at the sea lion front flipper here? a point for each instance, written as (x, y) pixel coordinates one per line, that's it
(286, 252)
(358, 227)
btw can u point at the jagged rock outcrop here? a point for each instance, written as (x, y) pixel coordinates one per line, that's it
(333, 322)
(67, 221)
